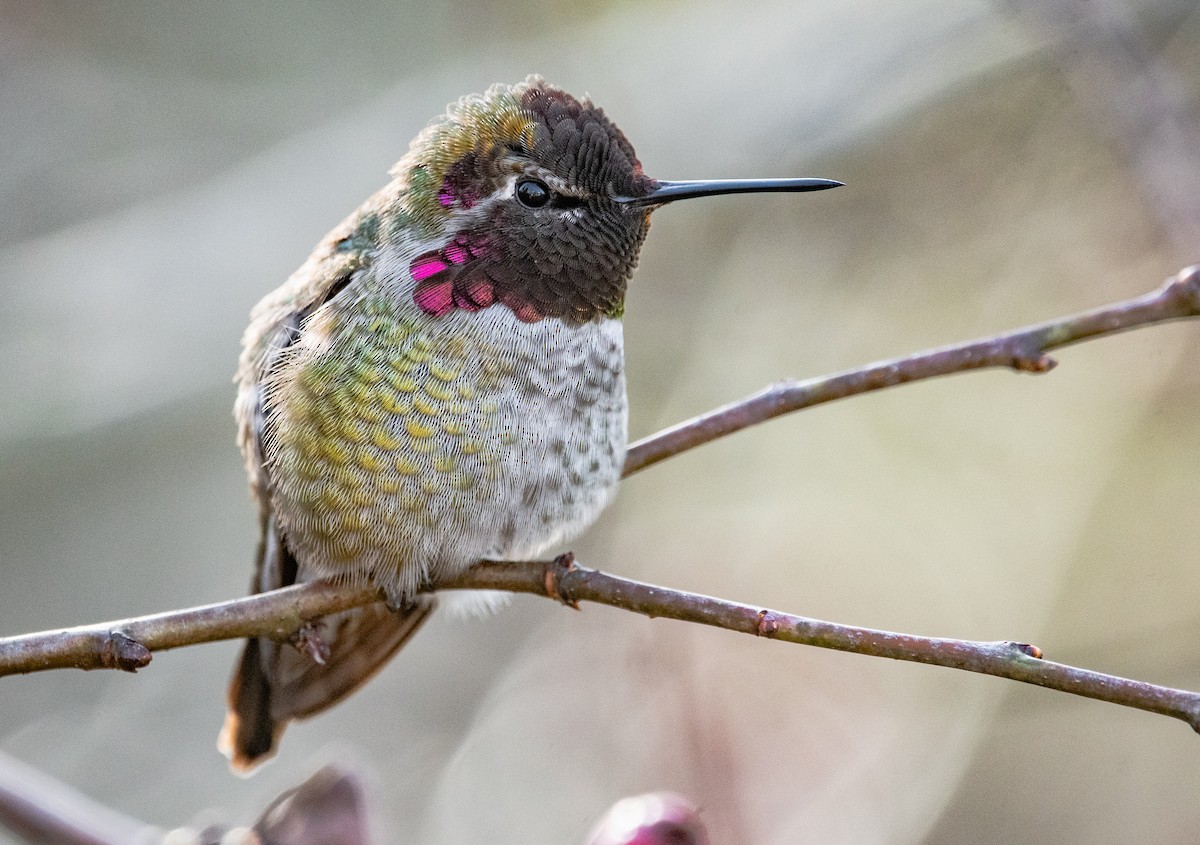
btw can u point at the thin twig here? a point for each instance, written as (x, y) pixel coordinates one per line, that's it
(275, 614)
(1023, 350)
(127, 644)
(280, 611)
(1015, 661)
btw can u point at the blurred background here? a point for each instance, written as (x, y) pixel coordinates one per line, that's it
(166, 164)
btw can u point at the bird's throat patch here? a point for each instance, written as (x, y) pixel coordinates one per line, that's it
(456, 276)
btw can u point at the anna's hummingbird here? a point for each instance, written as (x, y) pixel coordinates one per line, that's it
(443, 380)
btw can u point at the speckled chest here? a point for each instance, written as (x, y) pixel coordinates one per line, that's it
(402, 447)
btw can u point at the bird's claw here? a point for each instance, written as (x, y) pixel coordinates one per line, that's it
(308, 640)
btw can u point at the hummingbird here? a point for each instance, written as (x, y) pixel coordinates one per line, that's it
(442, 381)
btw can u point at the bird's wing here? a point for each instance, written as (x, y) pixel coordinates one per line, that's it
(275, 682)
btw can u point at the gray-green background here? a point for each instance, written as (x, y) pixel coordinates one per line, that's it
(163, 165)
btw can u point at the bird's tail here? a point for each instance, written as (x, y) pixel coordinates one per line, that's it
(275, 682)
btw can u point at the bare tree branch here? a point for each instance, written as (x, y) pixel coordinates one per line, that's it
(127, 644)
(280, 612)
(1023, 350)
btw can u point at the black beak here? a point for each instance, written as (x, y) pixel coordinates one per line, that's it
(666, 192)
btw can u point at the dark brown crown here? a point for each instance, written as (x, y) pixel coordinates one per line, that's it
(577, 141)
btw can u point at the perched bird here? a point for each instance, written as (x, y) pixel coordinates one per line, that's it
(443, 380)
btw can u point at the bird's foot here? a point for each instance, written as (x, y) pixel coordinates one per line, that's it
(308, 640)
(556, 570)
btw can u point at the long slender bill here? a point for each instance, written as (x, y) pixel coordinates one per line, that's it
(671, 191)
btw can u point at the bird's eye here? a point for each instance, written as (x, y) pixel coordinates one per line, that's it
(532, 193)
